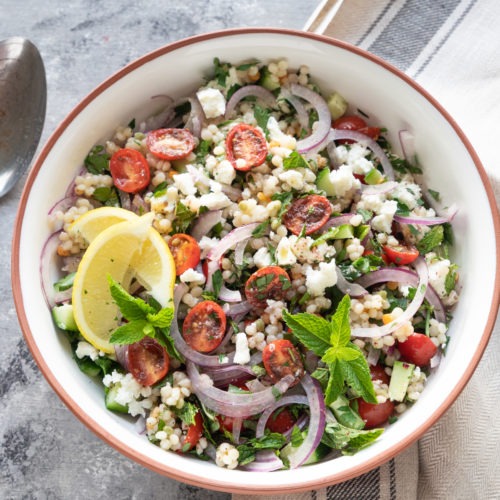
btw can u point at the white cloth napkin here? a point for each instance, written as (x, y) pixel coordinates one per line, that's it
(452, 48)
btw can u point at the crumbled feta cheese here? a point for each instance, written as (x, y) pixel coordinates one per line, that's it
(224, 172)
(284, 254)
(242, 353)
(85, 349)
(212, 101)
(213, 201)
(185, 184)
(206, 244)
(275, 134)
(407, 193)
(317, 280)
(192, 276)
(342, 180)
(262, 257)
(438, 270)
(383, 221)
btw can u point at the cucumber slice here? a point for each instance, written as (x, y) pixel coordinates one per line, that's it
(267, 82)
(337, 105)
(373, 177)
(345, 414)
(63, 317)
(110, 399)
(400, 379)
(324, 182)
(318, 454)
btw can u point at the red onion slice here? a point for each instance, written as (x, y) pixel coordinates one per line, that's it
(324, 117)
(47, 258)
(235, 404)
(266, 96)
(346, 287)
(285, 401)
(421, 289)
(317, 422)
(233, 193)
(339, 220)
(181, 345)
(427, 221)
(228, 295)
(300, 110)
(231, 374)
(231, 239)
(385, 187)
(205, 222)
(237, 425)
(369, 143)
(404, 276)
(237, 311)
(265, 461)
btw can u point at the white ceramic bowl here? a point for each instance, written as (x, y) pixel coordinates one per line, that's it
(451, 167)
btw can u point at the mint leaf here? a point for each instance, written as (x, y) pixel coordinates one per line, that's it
(270, 441)
(313, 331)
(296, 439)
(130, 333)
(295, 160)
(161, 319)
(348, 440)
(341, 328)
(431, 240)
(262, 117)
(132, 308)
(187, 413)
(335, 385)
(357, 374)
(347, 354)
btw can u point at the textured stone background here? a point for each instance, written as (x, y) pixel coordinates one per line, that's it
(45, 452)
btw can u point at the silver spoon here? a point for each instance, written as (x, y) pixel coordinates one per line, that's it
(23, 98)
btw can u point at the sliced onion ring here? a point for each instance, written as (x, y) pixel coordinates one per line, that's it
(235, 404)
(258, 91)
(427, 221)
(421, 289)
(265, 461)
(324, 117)
(285, 401)
(231, 239)
(404, 276)
(205, 222)
(346, 287)
(317, 422)
(49, 253)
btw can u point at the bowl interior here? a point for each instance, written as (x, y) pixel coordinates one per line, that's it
(450, 167)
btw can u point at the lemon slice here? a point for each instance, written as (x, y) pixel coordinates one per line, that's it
(93, 222)
(127, 250)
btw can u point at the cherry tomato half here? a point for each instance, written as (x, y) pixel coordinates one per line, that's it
(148, 361)
(377, 372)
(170, 143)
(281, 421)
(246, 147)
(130, 170)
(280, 358)
(375, 415)
(417, 349)
(353, 122)
(271, 282)
(311, 212)
(401, 255)
(193, 434)
(204, 326)
(185, 251)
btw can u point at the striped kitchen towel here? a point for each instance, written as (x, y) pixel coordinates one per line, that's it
(451, 47)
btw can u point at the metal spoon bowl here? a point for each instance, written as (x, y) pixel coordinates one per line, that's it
(23, 97)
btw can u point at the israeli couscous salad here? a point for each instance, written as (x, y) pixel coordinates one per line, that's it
(252, 273)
